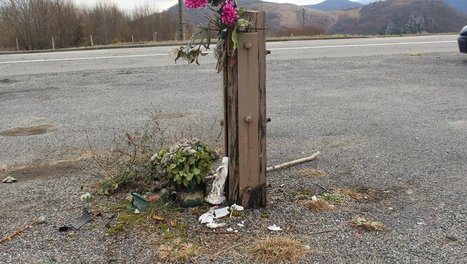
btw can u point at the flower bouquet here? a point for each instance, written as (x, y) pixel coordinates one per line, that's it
(227, 18)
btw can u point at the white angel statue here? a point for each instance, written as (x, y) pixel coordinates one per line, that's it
(216, 196)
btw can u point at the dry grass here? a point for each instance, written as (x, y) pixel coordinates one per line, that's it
(317, 205)
(353, 194)
(278, 249)
(333, 198)
(311, 173)
(178, 250)
(126, 165)
(366, 224)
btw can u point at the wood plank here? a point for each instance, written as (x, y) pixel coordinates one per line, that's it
(232, 122)
(248, 113)
(261, 200)
(245, 96)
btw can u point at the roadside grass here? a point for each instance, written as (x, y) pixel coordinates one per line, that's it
(309, 172)
(126, 165)
(354, 194)
(278, 250)
(333, 198)
(317, 205)
(127, 218)
(178, 250)
(365, 224)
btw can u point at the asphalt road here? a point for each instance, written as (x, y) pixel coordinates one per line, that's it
(384, 112)
(53, 62)
(105, 92)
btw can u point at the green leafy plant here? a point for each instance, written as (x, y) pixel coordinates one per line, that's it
(185, 164)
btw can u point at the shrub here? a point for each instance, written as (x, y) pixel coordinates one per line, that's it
(185, 164)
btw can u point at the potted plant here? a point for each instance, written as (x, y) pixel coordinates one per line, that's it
(185, 165)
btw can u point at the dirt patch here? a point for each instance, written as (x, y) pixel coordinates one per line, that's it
(55, 169)
(7, 81)
(338, 143)
(27, 131)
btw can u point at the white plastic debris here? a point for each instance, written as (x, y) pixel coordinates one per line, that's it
(236, 207)
(9, 179)
(206, 218)
(221, 212)
(274, 228)
(215, 225)
(137, 211)
(241, 225)
(314, 198)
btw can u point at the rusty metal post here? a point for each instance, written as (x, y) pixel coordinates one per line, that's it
(245, 115)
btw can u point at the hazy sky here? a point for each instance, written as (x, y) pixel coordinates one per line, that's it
(163, 4)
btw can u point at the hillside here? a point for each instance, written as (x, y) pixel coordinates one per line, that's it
(329, 5)
(278, 16)
(292, 16)
(402, 17)
(385, 17)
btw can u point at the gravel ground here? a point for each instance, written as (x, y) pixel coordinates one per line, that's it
(393, 127)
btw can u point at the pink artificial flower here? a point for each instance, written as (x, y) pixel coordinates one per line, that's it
(229, 14)
(196, 3)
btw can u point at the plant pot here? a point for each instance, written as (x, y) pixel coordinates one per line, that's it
(191, 197)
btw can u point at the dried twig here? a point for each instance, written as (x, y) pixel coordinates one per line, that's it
(293, 162)
(98, 162)
(39, 220)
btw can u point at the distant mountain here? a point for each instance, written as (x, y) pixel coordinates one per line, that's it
(329, 5)
(402, 17)
(366, 2)
(278, 16)
(380, 17)
(460, 5)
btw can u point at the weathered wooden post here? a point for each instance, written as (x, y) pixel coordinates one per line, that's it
(245, 115)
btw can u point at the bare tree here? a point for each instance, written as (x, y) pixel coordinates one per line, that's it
(35, 22)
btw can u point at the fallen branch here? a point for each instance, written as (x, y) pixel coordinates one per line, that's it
(293, 162)
(38, 221)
